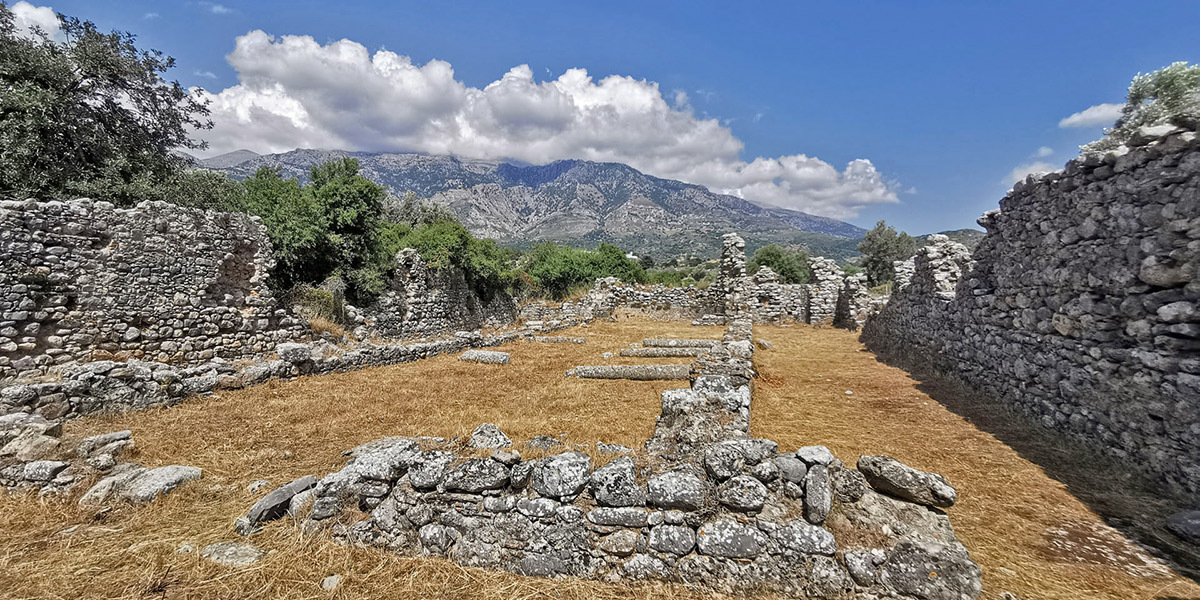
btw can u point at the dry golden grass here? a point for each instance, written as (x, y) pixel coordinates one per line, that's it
(280, 431)
(1011, 506)
(321, 325)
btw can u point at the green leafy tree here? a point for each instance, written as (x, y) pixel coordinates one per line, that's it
(88, 116)
(880, 248)
(295, 225)
(790, 265)
(1168, 95)
(559, 269)
(200, 188)
(448, 244)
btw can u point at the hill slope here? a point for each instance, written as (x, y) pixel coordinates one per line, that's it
(572, 201)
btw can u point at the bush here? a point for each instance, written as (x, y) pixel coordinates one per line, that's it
(790, 265)
(449, 244)
(558, 269)
(1168, 95)
(881, 247)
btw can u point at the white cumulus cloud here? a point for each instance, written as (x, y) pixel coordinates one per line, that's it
(295, 92)
(1023, 171)
(1100, 114)
(27, 16)
(1044, 151)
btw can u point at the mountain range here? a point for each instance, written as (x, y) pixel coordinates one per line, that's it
(576, 202)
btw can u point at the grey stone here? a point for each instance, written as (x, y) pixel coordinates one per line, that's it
(620, 543)
(931, 571)
(95, 442)
(429, 469)
(743, 493)
(645, 566)
(623, 517)
(233, 554)
(677, 489)
(488, 435)
(818, 494)
(43, 470)
(294, 353)
(153, 483)
(485, 356)
(563, 475)
(615, 484)
(541, 565)
(437, 538)
(863, 565)
(672, 539)
(726, 538)
(275, 504)
(800, 538)
(815, 455)
(330, 583)
(1186, 525)
(537, 507)
(476, 475)
(895, 478)
(791, 468)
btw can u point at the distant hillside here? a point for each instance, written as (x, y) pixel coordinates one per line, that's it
(572, 201)
(967, 237)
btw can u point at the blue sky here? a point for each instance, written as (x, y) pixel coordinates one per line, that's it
(945, 99)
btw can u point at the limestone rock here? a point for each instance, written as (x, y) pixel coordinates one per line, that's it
(563, 475)
(677, 489)
(725, 538)
(488, 435)
(742, 493)
(932, 571)
(233, 554)
(893, 477)
(615, 484)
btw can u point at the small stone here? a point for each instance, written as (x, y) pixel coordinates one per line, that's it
(621, 543)
(818, 494)
(485, 356)
(233, 554)
(488, 435)
(615, 484)
(726, 538)
(672, 539)
(331, 583)
(815, 455)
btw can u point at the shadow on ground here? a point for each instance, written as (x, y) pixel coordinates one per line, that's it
(1127, 499)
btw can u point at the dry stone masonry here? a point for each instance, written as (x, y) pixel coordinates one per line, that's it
(82, 281)
(1080, 306)
(702, 503)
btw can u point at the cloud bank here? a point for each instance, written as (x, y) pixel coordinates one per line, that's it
(1100, 114)
(27, 17)
(296, 93)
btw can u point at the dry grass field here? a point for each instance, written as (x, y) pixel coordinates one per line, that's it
(1033, 535)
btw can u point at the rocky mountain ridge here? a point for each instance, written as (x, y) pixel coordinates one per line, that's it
(573, 201)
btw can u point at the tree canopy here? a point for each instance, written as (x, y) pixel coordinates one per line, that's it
(790, 265)
(90, 115)
(880, 248)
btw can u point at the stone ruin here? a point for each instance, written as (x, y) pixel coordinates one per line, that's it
(1081, 306)
(702, 503)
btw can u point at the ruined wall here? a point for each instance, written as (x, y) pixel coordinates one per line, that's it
(1081, 305)
(420, 301)
(829, 297)
(83, 280)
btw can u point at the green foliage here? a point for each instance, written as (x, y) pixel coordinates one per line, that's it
(667, 277)
(558, 269)
(200, 188)
(790, 265)
(1168, 95)
(89, 116)
(851, 270)
(880, 248)
(646, 261)
(448, 244)
(295, 225)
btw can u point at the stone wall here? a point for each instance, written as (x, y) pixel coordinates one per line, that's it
(703, 503)
(1081, 305)
(83, 281)
(420, 301)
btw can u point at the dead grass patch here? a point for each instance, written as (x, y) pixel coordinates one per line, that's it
(283, 430)
(1007, 501)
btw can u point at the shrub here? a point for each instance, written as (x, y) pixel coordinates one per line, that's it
(557, 268)
(1168, 95)
(790, 265)
(449, 244)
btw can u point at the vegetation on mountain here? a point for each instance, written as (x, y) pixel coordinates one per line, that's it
(880, 248)
(89, 115)
(1170, 95)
